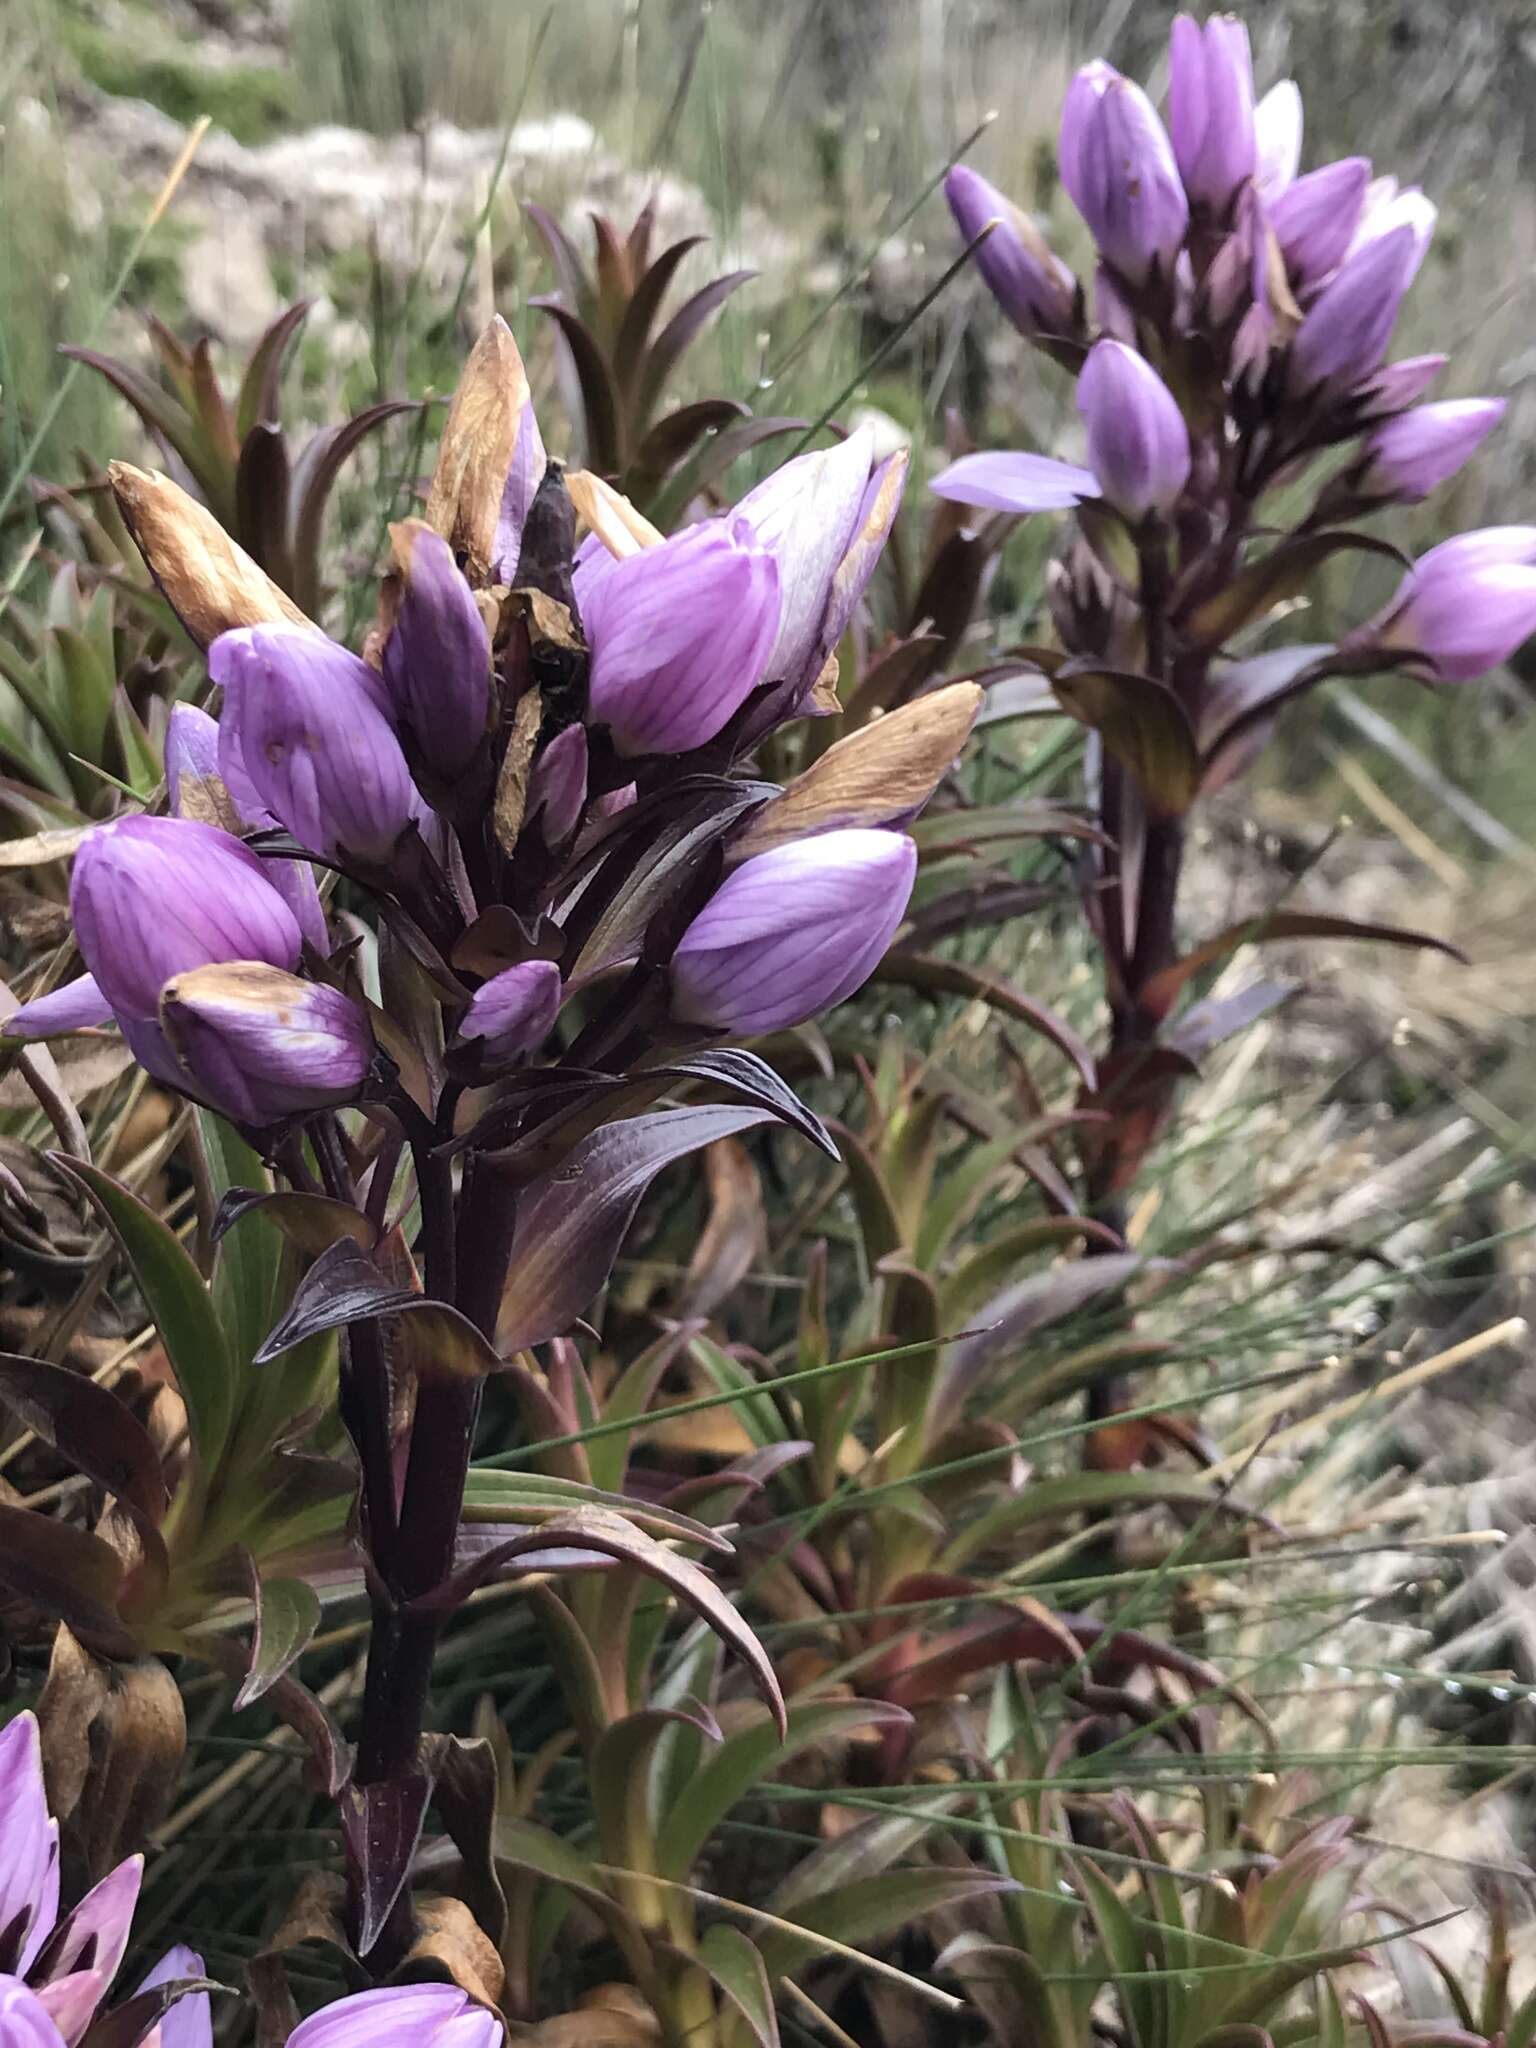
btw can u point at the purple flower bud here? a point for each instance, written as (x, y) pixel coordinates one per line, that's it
(1386, 209)
(1409, 456)
(309, 724)
(680, 636)
(401, 2016)
(437, 659)
(29, 1846)
(806, 516)
(1028, 280)
(1113, 313)
(189, 2023)
(1277, 124)
(793, 931)
(1118, 168)
(1001, 481)
(1138, 444)
(557, 790)
(1397, 386)
(1314, 219)
(1462, 608)
(260, 1044)
(74, 1006)
(1344, 336)
(1210, 107)
(201, 785)
(515, 1011)
(156, 897)
(523, 479)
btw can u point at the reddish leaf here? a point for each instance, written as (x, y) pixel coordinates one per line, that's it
(605, 450)
(1143, 724)
(381, 1825)
(68, 1573)
(1159, 993)
(91, 1427)
(680, 333)
(954, 977)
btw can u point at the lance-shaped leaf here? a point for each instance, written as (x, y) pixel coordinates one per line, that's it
(67, 1572)
(179, 1305)
(314, 478)
(344, 1285)
(870, 1908)
(571, 1221)
(640, 314)
(604, 440)
(381, 1825)
(1045, 1500)
(210, 583)
(679, 335)
(91, 1427)
(1030, 1304)
(475, 453)
(1207, 1024)
(1271, 579)
(311, 1222)
(743, 1073)
(257, 397)
(1161, 991)
(735, 1964)
(671, 439)
(143, 2017)
(622, 1777)
(286, 1613)
(1142, 724)
(535, 1498)
(1239, 691)
(902, 969)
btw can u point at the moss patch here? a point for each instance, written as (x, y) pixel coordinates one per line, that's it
(250, 101)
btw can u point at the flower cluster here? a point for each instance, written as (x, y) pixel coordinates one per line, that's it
(507, 750)
(56, 1974)
(1241, 313)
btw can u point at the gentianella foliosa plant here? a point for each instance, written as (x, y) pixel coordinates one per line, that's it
(435, 924)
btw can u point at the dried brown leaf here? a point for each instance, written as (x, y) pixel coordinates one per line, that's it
(475, 453)
(208, 580)
(621, 527)
(512, 781)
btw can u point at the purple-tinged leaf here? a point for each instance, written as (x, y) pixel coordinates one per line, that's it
(68, 1573)
(381, 1825)
(294, 1704)
(257, 398)
(1030, 1304)
(680, 333)
(1143, 724)
(709, 463)
(311, 1222)
(1240, 691)
(1206, 1024)
(262, 487)
(902, 969)
(570, 271)
(314, 478)
(90, 1427)
(170, 425)
(605, 451)
(1160, 992)
(572, 1221)
(670, 440)
(1269, 580)
(286, 1613)
(135, 2021)
(640, 314)
(742, 1073)
(344, 1285)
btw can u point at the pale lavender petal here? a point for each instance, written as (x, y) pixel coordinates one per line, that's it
(189, 2023)
(1006, 482)
(24, 2020)
(74, 1006)
(523, 479)
(29, 1846)
(1277, 126)
(400, 2016)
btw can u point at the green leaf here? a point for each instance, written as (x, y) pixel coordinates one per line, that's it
(246, 1269)
(737, 1967)
(1145, 727)
(179, 1305)
(873, 1907)
(287, 1615)
(1079, 1492)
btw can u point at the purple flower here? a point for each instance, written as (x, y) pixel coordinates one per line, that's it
(201, 785)
(401, 2016)
(261, 1045)
(310, 725)
(74, 1006)
(1138, 444)
(1344, 336)
(680, 635)
(1119, 170)
(1277, 124)
(557, 790)
(1314, 218)
(437, 659)
(1007, 482)
(1210, 108)
(1462, 608)
(793, 931)
(523, 479)
(515, 1011)
(1409, 456)
(824, 518)
(1028, 280)
(1396, 386)
(1386, 209)
(55, 1973)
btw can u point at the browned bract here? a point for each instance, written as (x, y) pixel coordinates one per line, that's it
(475, 453)
(113, 1736)
(208, 580)
(880, 773)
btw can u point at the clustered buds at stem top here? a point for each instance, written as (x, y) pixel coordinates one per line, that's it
(1346, 331)
(309, 725)
(401, 2016)
(793, 931)
(1119, 171)
(515, 1009)
(1210, 108)
(262, 1045)
(1029, 281)
(1138, 444)
(1462, 608)
(55, 1974)
(680, 635)
(437, 659)
(1314, 219)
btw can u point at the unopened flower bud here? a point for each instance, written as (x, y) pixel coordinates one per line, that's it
(401, 2016)
(1277, 124)
(1029, 281)
(680, 636)
(793, 931)
(1118, 167)
(1210, 107)
(1396, 386)
(1314, 219)
(1409, 456)
(1138, 443)
(515, 1011)
(557, 789)
(1386, 209)
(261, 1045)
(437, 659)
(1461, 610)
(1345, 334)
(308, 723)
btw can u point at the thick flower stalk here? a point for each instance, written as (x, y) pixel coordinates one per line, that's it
(1245, 310)
(57, 1973)
(564, 886)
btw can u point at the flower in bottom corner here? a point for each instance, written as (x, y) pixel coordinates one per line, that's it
(55, 1973)
(401, 2016)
